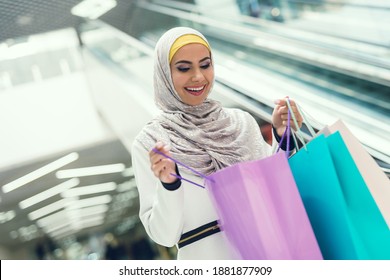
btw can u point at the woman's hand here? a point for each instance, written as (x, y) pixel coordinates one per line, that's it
(161, 166)
(280, 116)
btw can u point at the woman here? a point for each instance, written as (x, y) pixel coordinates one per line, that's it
(198, 132)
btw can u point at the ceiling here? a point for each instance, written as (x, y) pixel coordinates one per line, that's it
(120, 215)
(18, 19)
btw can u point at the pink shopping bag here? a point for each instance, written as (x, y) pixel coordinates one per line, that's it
(261, 211)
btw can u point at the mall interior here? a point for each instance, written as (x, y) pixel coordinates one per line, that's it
(76, 86)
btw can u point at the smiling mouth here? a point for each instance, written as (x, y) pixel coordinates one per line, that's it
(195, 90)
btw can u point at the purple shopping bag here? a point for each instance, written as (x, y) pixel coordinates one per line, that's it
(261, 211)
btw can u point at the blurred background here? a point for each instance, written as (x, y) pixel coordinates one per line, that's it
(76, 87)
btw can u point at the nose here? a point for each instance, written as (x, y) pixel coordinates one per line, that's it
(198, 75)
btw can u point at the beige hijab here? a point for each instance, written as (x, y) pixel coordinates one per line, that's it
(205, 137)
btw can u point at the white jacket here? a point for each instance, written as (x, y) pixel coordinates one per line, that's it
(166, 214)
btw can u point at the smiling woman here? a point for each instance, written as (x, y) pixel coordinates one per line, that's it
(192, 78)
(198, 132)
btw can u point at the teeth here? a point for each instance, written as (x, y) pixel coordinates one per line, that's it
(196, 89)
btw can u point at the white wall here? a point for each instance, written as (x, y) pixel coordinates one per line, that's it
(47, 117)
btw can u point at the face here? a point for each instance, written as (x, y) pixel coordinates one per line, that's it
(192, 73)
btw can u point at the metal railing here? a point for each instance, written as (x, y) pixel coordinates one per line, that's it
(343, 61)
(243, 97)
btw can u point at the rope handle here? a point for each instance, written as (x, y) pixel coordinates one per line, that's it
(185, 166)
(286, 133)
(299, 133)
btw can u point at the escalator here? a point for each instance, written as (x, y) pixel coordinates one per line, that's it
(251, 77)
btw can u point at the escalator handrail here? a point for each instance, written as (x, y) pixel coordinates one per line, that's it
(318, 51)
(193, 8)
(250, 103)
(342, 3)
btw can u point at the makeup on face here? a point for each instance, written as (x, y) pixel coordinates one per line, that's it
(192, 73)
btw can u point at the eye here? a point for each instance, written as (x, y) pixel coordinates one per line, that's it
(205, 66)
(183, 69)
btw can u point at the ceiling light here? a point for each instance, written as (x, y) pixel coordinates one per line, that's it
(92, 222)
(7, 216)
(57, 227)
(128, 172)
(90, 171)
(88, 211)
(91, 189)
(103, 199)
(40, 172)
(126, 186)
(50, 208)
(74, 227)
(65, 216)
(28, 232)
(49, 193)
(93, 9)
(58, 217)
(60, 233)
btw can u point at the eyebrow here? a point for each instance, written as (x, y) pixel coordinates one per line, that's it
(189, 62)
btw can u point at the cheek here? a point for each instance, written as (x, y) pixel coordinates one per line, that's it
(210, 76)
(177, 81)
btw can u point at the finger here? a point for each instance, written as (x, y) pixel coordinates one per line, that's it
(278, 101)
(294, 110)
(163, 168)
(158, 167)
(292, 124)
(156, 171)
(155, 160)
(292, 102)
(154, 156)
(166, 149)
(282, 110)
(283, 101)
(159, 145)
(284, 117)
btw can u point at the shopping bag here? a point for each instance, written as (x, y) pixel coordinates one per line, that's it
(259, 207)
(346, 220)
(376, 180)
(261, 211)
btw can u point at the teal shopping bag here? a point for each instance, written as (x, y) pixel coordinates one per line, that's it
(344, 216)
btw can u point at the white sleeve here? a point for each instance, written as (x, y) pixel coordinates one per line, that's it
(161, 210)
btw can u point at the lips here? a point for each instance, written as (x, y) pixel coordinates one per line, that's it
(195, 90)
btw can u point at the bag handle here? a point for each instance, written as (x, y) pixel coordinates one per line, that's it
(306, 121)
(287, 132)
(299, 133)
(185, 166)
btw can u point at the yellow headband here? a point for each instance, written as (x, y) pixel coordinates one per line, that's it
(185, 40)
